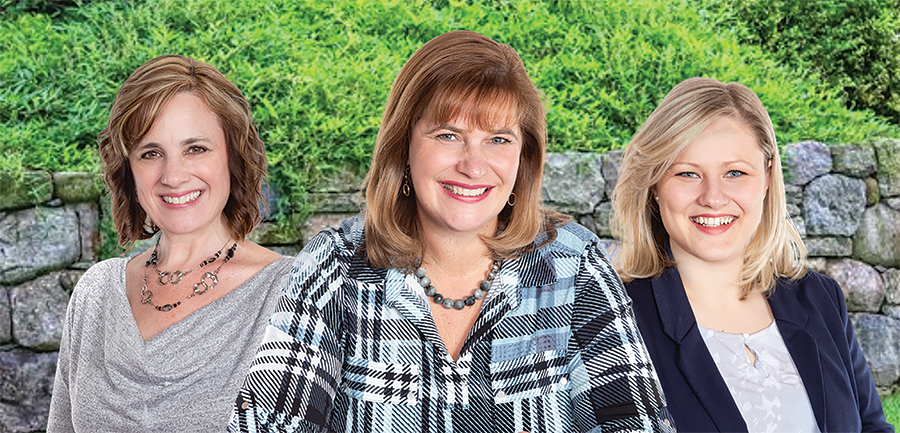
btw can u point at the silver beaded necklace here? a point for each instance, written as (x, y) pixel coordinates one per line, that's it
(459, 304)
(207, 282)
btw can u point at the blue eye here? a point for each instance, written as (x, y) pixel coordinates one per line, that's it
(499, 140)
(687, 174)
(446, 137)
(735, 173)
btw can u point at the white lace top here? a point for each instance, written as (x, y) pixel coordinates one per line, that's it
(769, 394)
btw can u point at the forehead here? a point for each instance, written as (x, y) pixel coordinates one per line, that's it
(721, 142)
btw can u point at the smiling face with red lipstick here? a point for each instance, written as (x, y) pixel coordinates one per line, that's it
(180, 168)
(462, 174)
(711, 198)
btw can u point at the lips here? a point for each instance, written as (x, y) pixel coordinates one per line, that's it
(465, 192)
(182, 199)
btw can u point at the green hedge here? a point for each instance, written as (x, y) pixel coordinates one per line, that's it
(317, 73)
(853, 44)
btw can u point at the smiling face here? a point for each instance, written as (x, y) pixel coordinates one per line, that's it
(180, 168)
(711, 198)
(462, 175)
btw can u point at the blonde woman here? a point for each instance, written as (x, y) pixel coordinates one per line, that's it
(744, 338)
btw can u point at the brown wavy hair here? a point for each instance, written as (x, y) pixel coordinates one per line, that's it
(451, 73)
(137, 105)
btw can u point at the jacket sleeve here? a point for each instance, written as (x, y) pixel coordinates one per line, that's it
(292, 381)
(871, 413)
(614, 385)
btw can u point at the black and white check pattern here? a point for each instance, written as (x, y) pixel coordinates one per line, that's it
(355, 349)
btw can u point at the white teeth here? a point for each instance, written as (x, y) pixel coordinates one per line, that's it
(713, 222)
(464, 191)
(183, 199)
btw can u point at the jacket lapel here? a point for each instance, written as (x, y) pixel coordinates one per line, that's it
(792, 320)
(692, 356)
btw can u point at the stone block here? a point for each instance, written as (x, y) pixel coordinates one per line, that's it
(345, 181)
(88, 231)
(610, 169)
(888, 155)
(336, 202)
(602, 218)
(891, 279)
(805, 161)
(861, 283)
(26, 382)
(29, 189)
(873, 194)
(270, 233)
(77, 187)
(36, 240)
(879, 339)
(855, 160)
(877, 239)
(319, 222)
(573, 182)
(5, 316)
(793, 195)
(39, 312)
(829, 246)
(893, 203)
(892, 311)
(800, 225)
(833, 204)
(817, 264)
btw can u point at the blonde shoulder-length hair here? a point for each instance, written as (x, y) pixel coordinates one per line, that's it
(457, 73)
(776, 249)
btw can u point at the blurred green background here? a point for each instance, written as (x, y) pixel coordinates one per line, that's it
(317, 73)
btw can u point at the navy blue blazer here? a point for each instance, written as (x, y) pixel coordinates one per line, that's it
(813, 321)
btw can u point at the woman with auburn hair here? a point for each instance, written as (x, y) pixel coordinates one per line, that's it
(744, 338)
(455, 302)
(160, 341)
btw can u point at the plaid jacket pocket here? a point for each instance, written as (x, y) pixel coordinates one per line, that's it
(378, 382)
(529, 376)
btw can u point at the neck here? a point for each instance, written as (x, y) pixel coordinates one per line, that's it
(186, 251)
(454, 252)
(708, 281)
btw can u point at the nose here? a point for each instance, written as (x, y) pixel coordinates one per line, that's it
(713, 194)
(174, 172)
(471, 162)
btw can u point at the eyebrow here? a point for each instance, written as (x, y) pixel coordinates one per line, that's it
(724, 164)
(458, 130)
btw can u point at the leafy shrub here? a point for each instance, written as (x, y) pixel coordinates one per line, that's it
(317, 74)
(852, 44)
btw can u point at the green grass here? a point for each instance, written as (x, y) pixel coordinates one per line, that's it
(891, 406)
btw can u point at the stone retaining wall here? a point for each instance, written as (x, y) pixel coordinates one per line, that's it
(846, 200)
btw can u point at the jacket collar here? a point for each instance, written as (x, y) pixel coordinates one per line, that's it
(692, 356)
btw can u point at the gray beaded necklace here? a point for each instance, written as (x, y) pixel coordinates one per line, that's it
(459, 304)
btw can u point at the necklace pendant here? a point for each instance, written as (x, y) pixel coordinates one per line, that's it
(206, 286)
(146, 296)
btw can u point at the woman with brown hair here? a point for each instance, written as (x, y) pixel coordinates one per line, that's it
(744, 338)
(455, 302)
(160, 341)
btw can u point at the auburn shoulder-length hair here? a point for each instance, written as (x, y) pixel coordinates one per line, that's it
(776, 249)
(137, 105)
(457, 73)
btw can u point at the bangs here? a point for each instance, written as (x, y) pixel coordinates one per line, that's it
(483, 108)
